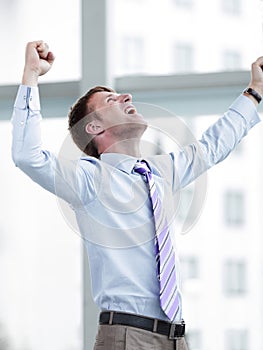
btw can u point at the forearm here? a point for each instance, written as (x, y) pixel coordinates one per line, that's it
(27, 150)
(217, 142)
(25, 120)
(224, 135)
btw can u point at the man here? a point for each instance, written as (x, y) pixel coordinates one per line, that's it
(124, 204)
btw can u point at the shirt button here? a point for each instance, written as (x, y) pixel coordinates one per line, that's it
(22, 123)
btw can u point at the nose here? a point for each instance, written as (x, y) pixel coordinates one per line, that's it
(123, 98)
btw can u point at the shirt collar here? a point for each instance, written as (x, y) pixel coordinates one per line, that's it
(120, 161)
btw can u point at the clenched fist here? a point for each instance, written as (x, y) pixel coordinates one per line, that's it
(257, 75)
(38, 61)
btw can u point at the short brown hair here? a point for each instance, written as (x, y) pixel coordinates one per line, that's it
(80, 114)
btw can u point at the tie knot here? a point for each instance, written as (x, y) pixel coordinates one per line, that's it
(142, 168)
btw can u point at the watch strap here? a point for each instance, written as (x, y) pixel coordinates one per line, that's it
(253, 93)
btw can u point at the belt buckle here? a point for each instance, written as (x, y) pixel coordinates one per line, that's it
(171, 333)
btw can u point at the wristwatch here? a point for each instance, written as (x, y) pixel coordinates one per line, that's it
(253, 93)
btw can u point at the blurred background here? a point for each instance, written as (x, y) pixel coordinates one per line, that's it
(192, 59)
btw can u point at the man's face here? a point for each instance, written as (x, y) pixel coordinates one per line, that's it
(118, 114)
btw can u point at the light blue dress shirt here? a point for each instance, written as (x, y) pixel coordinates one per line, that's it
(111, 202)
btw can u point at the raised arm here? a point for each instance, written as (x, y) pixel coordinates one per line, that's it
(222, 137)
(61, 177)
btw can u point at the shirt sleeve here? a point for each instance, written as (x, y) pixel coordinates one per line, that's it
(216, 142)
(63, 177)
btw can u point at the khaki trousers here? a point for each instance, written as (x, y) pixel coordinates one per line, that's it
(116, 337)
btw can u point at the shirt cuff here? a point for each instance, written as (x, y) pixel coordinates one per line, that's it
(247, 109)
(27, 97)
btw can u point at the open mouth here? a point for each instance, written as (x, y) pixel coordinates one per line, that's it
(130, 110)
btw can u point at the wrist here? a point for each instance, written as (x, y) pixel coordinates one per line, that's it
(257, 87)
(253, 93)
(30, 77)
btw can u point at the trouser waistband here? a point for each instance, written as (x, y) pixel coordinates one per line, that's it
(172, 330)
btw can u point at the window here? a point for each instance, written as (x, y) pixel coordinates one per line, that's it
(53, 35)
(234, 275)
(234, 211)
(132, 53)
(236, 339)
(232, 7)
(183, 21)
(231, 60)
(189, 267)
(183, 58)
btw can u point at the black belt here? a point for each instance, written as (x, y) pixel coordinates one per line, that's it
(172, 330)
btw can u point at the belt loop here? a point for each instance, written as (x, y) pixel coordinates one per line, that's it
(155, 324)
(111, 317)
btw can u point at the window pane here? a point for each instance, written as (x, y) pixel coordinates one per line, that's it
(234, 210)
(232, 7)
(236, 339)
(183, 58)
(132, 54)
(184, 3)
(231, 60)
(58, 24)
(234, 274)
(189, 267)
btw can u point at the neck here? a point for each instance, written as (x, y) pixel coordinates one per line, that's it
(131, 147)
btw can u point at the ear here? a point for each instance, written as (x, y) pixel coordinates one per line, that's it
(94, 127)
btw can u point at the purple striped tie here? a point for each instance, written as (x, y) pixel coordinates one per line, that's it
(165, 256)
